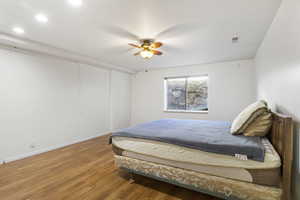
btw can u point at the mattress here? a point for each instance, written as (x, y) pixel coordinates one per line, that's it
(204, 135)
(263, 173)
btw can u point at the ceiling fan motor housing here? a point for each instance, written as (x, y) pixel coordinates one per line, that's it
(147, 42)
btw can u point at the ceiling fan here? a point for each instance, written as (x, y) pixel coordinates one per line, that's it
(147, 48)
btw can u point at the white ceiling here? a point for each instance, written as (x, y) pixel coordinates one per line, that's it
(193, 31)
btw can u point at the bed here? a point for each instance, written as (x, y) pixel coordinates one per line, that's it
(220, 175)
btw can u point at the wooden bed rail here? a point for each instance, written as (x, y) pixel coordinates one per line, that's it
(282, 137)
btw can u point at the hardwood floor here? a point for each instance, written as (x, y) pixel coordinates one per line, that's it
(83, 171)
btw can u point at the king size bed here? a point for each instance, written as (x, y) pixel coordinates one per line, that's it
(213, 162)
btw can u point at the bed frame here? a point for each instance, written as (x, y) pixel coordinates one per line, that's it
(281, 136)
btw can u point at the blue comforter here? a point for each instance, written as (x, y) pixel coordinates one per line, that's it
(209, 136)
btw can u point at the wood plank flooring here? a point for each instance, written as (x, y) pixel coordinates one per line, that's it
(83, 171)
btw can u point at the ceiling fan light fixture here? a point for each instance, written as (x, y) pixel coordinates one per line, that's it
(147, 48)
(147, 54)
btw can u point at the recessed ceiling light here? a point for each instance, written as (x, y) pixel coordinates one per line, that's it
(41, 18)
(18, 30)
(75, 3)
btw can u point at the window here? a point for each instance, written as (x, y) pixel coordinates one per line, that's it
(188, 94)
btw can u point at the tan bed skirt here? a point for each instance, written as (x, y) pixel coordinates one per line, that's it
(217, 186)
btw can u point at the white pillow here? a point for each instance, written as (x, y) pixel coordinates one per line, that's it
(248, 115)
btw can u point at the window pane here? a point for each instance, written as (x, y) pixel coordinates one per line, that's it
(197, 93)
(176, 94)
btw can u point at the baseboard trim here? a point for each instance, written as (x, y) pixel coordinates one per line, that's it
(51, 148)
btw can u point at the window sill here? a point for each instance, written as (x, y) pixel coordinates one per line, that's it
(182, 111)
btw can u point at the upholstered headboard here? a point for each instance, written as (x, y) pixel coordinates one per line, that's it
(282, 136)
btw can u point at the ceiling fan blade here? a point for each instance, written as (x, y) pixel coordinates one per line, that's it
(119, 32)
(134, 45)
(158, 53)
(156, 45)
(180, 30)
(136, 54)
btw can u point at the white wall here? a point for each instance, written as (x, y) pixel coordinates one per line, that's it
(231, 88)
(120, 99)
(48, 102)
(278, 70)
